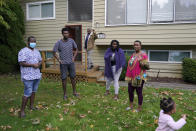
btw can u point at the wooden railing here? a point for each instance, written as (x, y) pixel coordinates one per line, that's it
(54, 62)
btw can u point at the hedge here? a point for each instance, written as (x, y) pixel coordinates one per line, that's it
(189, 70)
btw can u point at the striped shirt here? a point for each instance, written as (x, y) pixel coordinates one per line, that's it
(65, 50)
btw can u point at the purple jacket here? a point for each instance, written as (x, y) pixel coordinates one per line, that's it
(120, 61)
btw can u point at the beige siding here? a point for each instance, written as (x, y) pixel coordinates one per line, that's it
(48, 32)
(165, 34)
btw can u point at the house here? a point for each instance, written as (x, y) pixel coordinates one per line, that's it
(167, 28)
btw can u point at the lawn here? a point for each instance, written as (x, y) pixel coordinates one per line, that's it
(92, 111)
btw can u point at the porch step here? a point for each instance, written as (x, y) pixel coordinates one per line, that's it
(93, 76)
(101, 80)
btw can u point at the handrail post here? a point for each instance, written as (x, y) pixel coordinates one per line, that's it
(43, 60)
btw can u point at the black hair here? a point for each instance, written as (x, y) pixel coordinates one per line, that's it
(117, 42)
(29, 38)
(64, 29)
(138, 42)
(167, 104)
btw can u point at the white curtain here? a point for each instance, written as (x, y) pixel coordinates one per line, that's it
(34, 11)
(185, 10)
(162, 10)
(47, 10)
(115, 12)
(136, 11)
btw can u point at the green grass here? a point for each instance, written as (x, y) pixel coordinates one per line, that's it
(92, 111)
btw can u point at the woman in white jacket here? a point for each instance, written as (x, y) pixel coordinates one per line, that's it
(166, 122)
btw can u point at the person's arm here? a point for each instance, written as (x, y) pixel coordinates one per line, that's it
(75, 51)
(24, 64)
(107, 55)
(75, 54)
(123, 58)
(55, 49)
(55, 56)
(176, 125)
(95, 35)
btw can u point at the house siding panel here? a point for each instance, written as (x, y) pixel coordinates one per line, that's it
(47, 32)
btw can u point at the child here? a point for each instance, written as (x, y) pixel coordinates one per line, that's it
(166, 122)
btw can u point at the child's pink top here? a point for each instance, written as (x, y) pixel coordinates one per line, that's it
(166, 123)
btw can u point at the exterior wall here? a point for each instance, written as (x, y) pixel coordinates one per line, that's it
(156, 36)
(47, 32)
(153, 37)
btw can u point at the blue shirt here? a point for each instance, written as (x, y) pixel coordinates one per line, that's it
(86, 40)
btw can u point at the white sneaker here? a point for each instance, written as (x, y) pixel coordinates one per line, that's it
(128, 108)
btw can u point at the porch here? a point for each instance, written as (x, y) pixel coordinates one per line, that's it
(50, 68)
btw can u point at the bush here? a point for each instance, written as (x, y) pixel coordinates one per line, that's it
(11, 34)
(122, 76)
(189, 70)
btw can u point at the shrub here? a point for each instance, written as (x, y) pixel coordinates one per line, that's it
(11, 34)
(189, 70)
(122, 76)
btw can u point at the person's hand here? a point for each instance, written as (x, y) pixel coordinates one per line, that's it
(184, 116)
(60, 61)
(73, 59)
(139, 58)
(36, 65)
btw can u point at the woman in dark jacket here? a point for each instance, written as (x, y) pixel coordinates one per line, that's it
(114, 62)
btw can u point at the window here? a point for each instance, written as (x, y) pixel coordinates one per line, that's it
(168, 56)
(79, 10)
(130, 52)
(41, 10)
(127, 12)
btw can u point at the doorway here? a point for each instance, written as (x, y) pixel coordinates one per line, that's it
(75, 32)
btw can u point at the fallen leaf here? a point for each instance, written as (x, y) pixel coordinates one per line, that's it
(82, 115)
(89, 112)
(72, 113)
(165, 93)
(36, 121)
(141, 123)
(180, 93)
(65, 111)
(156, 121)
(180, 98)
(11, 110)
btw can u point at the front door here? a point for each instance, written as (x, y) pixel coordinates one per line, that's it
(75, 32)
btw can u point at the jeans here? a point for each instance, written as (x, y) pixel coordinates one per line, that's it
(30, 86)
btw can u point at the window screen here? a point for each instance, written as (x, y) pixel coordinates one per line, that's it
(79, 10)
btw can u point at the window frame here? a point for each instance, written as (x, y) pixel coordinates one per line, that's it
(69, 21)
(148, 19)
(40, 3)
(190, 51)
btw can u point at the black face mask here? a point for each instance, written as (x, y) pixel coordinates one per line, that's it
(65, 38)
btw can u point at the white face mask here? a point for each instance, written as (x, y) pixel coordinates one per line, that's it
(32, 45)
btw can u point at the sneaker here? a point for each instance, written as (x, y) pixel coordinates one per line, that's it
(76, 94)
(128, 108)
(65, 98)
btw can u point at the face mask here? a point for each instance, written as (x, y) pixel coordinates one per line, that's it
(32, 45)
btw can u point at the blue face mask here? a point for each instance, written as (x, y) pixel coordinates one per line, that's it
(32, 45)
